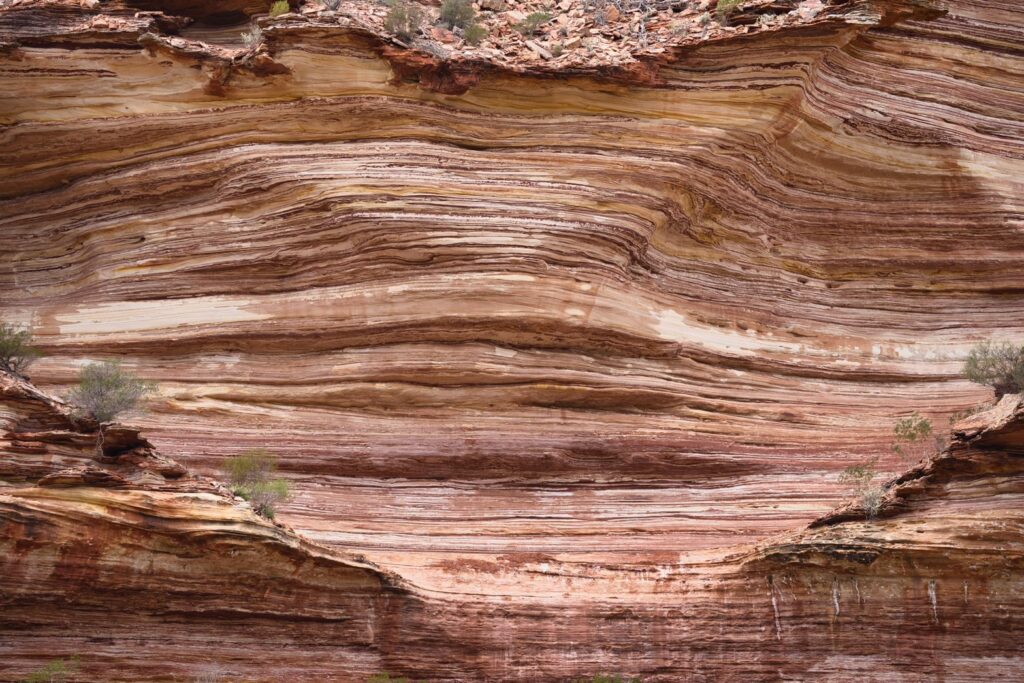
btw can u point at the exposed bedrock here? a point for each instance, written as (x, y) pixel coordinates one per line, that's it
(536, 339)
(126, 559)
(131, 570)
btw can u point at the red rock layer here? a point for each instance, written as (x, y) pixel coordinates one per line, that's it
(126, 560)
(130, 575)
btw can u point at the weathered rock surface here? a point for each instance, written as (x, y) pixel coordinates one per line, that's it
(130, 577)
(541, 342)
(129, 561)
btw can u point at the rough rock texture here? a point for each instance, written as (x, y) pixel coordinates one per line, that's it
(128, 560)
(556, 348)
(131, 574)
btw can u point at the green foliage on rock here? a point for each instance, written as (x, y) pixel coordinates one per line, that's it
(403, 19)
(474, 33)
(860, 478)
(105, 390)
(387, 678)
(251, 476)
(998, 365)
(726, 7)
(57, 671)
(16, 351)
(457, 13)
(280, 7)
(858, 475)
(912, 437)
(533, 22)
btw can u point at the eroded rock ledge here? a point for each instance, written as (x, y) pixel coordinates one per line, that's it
(126, 559)
(448, 70)
(131, 573)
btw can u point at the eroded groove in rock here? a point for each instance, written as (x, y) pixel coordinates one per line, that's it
(557, 337)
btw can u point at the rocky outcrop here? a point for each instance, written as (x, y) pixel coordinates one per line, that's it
(126, 561)
(931, 591)
(555, 341)
(132, 574)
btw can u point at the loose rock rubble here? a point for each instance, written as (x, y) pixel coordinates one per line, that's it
(581, 33)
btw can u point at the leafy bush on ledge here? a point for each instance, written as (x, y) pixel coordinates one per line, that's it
(726, 7)
(458, 13)
(533, 22)
(860, 477)
(387, 678)
(474, 33)
(251, 478)
(998, 365)
(913, 437)
(57, 671)
(105, 390)
(16, 351)
(403, 19)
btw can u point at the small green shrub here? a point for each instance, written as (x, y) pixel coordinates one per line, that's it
(386, 678)
(860, 478)
(280, 7)
(474, 33)
(250, 475)
(16, 351)
(726, 7)
(533, 22)
(105, 390)
(403, 19)
(912, 437)
(968, 412)
(998, 365)
(57, 671)
(859, 475)
(457, 13)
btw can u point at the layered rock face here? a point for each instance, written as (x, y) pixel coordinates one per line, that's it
(556, 348)
(141, 561)
(129, 559)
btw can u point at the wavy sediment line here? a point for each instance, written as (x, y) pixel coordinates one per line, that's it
(75, 553)
(689, 230)
(543, 343)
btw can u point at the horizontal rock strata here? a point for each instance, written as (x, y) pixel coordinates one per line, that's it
(131, 575)
(554, 348)
(128, 560)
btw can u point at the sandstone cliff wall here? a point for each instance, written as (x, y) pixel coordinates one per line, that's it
(542, 343)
